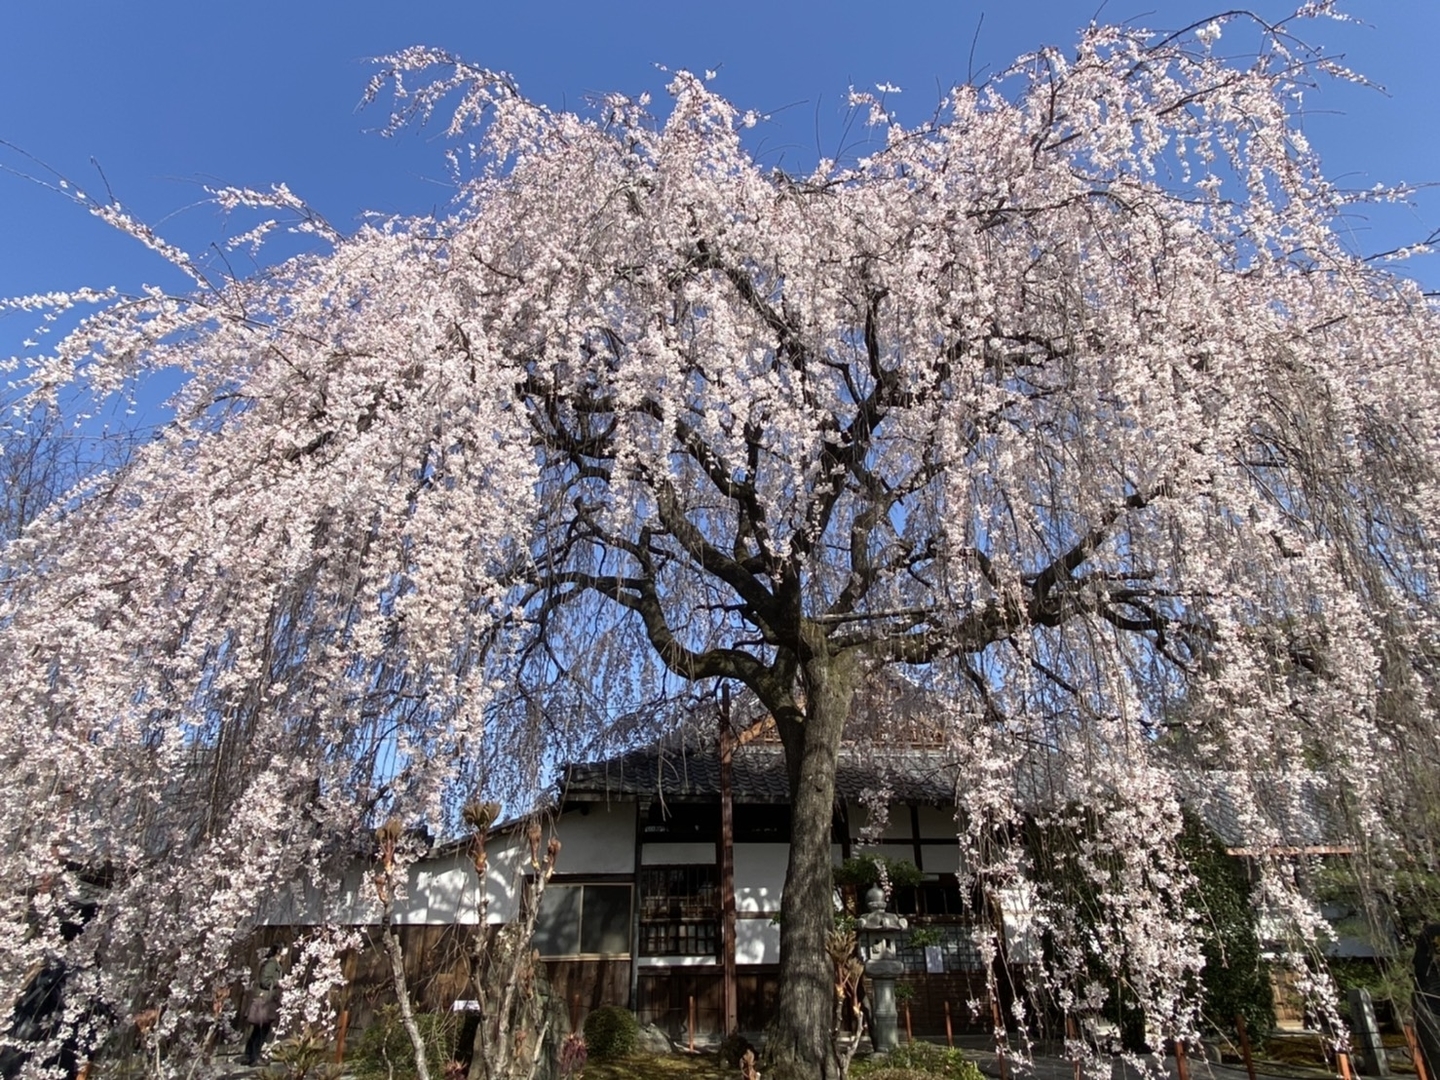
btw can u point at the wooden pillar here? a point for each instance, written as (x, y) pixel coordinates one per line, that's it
(1182, 1063)
(635, 901)
(1245, 1046)
(727, 866)
(1417, 1052)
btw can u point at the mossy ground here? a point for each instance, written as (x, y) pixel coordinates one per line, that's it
(661, 1067)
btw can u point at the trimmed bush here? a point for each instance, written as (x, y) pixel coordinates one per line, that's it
(610, 1032)
(910, 1061)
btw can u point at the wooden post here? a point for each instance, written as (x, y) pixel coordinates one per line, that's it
(341, 1028)
(1245, 1051)
(949, 1032)
(1072, 1034)
(692, 1023)
(1416, 1054)
(909, 1037)
(1000, 1038)
(727, 867)
(1182, 1064)
(1343, 1060)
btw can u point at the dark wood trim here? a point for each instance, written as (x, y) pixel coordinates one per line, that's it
(634, 1002)
(727, 867)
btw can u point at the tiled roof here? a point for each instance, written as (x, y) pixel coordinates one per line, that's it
(1295, 807)
(758, 775)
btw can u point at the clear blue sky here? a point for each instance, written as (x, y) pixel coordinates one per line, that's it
(168, 95)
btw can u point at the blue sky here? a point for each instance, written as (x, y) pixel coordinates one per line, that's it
(168, 95)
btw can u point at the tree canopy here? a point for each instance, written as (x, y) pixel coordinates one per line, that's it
(1069, 404)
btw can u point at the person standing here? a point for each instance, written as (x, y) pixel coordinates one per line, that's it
(264, 1004)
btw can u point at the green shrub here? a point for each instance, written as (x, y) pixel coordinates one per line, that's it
(917, 1059)
(610, 1032)
(385, 1046)
(861, 871)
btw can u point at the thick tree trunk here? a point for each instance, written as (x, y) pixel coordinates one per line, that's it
(798, 1041)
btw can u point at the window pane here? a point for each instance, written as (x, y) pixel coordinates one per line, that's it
(557, 928)
(694, 822)
(605, 921)
(679, 905)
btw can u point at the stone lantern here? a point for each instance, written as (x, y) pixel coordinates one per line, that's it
(880, 935)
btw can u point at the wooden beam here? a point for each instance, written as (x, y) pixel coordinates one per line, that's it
(727, 867)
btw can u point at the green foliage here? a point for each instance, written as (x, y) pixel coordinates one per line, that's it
(862, 872)
(1390, 981)
(1235, 978)
(611, 1032)
(1400, 904)
(911, 1061)
(386, 1046)
(1237, 981)
(922, 936)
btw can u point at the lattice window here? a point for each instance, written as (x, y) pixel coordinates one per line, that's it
(679, 906)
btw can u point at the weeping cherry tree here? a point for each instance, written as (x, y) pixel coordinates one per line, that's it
(1068, 405)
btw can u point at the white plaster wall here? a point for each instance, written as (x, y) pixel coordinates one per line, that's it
(1017, 913)
(937, 823)
(356, 903)
(757, 941)
(674, 961)
(941, 858)
(599, 842)
(299, 905)
(896, 828)
(444, 890)
(760, 876)
(439, 891)
(349, 901)
(506, 866)
(670, 854)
